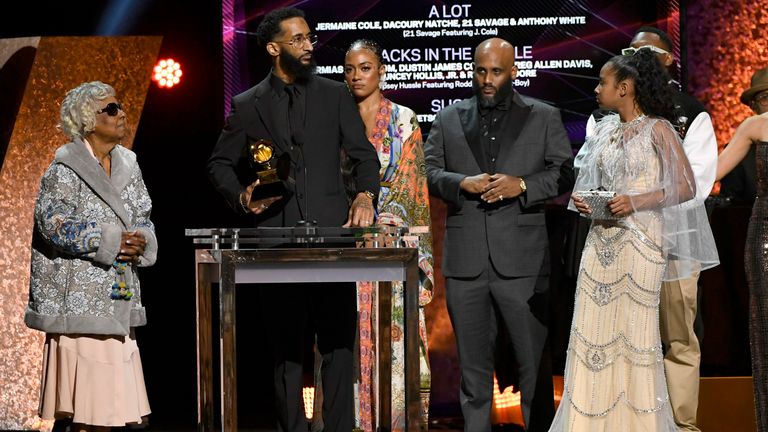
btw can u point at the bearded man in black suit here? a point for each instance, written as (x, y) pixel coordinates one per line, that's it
(495, 159)
(309, 120)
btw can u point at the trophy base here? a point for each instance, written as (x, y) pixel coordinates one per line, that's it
(268, 176)
(269, 190)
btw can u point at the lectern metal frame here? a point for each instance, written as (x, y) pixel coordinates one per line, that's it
(230, 267)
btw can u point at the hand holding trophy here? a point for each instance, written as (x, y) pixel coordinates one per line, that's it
(271, 172)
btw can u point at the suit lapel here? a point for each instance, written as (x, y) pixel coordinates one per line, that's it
(470, 123)
(513, 124)
(262, 104)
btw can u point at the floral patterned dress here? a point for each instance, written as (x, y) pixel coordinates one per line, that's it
(403, 201)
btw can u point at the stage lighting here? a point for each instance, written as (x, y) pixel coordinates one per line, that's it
(167, 73)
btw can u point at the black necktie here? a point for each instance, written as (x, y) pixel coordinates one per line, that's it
(295, 114)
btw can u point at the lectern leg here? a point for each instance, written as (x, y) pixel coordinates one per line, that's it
(412, 376)
(204, 348)
(228, 348)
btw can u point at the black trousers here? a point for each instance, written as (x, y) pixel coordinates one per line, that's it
(474, 305)
(294, 313)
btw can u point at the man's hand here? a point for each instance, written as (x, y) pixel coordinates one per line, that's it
(475, 184)
(132, 244)
(258, 206)
(361, 212)
(501, 187)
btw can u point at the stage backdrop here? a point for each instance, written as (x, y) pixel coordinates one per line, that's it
(38, 72)
(428, 47)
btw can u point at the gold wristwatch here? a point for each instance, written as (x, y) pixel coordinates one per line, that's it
(370, 195)
(522, 185)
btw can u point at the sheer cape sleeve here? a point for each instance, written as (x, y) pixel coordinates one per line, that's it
(620, 157)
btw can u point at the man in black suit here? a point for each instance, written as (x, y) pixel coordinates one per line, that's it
(495, 159)
(309, 120)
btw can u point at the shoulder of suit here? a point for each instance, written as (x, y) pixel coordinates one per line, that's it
(536, 103)
(252, 92)
(462, 104)
(325, 82)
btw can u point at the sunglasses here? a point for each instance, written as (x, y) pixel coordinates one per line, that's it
(111, 109)
(631, 50)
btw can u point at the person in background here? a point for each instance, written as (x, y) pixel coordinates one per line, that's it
(495, 159)
(92, 232)
(679, 298)
(394, 132)
(752, 133)
(309, 119)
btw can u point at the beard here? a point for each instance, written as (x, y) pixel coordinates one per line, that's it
(502, 92)
(293, 66)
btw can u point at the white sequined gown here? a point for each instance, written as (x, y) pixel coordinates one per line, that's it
(614, 373)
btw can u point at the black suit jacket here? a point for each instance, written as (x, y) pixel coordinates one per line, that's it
(332, 122)
(512, 232)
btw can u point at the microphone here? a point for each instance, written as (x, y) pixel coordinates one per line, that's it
(306, 222)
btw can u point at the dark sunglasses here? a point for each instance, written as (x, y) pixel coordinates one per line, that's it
(111, 109)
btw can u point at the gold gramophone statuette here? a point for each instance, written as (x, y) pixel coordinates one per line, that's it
(262, 154)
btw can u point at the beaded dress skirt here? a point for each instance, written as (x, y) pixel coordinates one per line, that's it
(614, 373)
(756, 264)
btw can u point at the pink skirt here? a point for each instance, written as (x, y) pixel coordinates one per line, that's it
(96, 380)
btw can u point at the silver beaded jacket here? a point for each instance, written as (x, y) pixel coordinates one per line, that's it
(80, 215)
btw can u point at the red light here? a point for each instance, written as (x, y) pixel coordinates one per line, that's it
(167, 73)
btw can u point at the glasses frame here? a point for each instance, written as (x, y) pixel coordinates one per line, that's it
(632, 50)
(298, 41)
(112, 109)
(761, 99)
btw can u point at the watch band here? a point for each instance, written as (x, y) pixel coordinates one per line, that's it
(523, 188)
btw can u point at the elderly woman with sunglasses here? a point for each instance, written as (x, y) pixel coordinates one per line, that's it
(92, 231)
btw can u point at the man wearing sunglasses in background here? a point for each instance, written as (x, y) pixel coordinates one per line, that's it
(678, 302)
(308, 120)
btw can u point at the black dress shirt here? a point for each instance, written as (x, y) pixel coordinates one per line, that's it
(492, 122)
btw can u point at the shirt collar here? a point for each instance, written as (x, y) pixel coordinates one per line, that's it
(279, 86)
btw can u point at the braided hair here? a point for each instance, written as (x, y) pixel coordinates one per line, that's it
(370, 45)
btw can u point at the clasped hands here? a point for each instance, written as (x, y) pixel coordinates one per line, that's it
(132, 244)
(620, 205)
(492, 187)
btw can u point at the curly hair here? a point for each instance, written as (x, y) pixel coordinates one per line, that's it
(78, 109)
(371, 46)
(270, 25)
(653, 92)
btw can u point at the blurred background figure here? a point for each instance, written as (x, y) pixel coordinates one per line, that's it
(752, 137)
